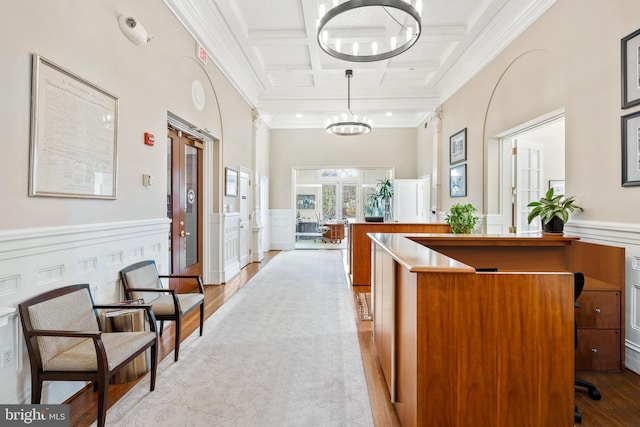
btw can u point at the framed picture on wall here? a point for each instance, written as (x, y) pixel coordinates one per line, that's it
(631, 149)
(631, 69)
(458, 147)
(74, 127)
(306, 201)
(458, 181)
(230, 182)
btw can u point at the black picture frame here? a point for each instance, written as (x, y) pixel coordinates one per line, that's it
(630, 67)
(458, 147)
(458, 181)
(630, 149)
(230, 182)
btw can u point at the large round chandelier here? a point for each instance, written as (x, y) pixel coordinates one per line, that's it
(348, 124)
(369, 30)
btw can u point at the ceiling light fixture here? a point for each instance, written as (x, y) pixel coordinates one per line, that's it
(348, 125)
(340, 38)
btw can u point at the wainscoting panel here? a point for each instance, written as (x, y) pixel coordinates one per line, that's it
(33, 261)
(231, 244)
(282, 229)
(628, 237)
(223, 261)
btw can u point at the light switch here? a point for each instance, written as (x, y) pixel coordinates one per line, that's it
(146, 180)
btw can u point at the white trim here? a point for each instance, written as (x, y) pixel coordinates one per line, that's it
(32, 241)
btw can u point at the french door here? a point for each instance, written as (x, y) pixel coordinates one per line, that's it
(184, 206)
(523, 174)
(527, 159)
(339, 200)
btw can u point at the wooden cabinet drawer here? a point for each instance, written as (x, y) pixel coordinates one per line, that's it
(598, 350)
(598, 309)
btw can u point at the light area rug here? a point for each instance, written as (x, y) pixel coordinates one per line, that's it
(310, 244)
(282, 352)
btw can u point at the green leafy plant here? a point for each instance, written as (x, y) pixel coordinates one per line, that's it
(380, 200)
(384, 188)
(462, 218)
(373, 205)
(552, 206)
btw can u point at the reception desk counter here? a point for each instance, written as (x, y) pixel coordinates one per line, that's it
(359, 256)
(459, 346)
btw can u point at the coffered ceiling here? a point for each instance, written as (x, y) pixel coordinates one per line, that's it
(268, 50)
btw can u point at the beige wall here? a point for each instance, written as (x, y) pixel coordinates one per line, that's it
(315, 148)
(569, 58)
(84, 38)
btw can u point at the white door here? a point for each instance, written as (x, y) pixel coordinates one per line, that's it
(505, 221)
(408, 200)
(426, 199)
(264, 215)
(529, 187)
(245, 217)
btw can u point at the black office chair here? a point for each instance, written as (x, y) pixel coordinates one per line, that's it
(593, 391)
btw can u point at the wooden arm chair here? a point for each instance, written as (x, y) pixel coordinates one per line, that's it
(66, 343)
(141, 280)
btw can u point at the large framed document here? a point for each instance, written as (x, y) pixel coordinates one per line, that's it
(74, 128)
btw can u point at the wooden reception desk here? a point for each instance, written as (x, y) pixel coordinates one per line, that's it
(462, 347)
(359, 256)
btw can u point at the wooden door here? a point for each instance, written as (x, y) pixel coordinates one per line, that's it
(184, 206)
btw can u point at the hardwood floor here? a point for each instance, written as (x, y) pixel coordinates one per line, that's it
(620, 404)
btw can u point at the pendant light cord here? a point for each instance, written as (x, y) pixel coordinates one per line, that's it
(349, 74)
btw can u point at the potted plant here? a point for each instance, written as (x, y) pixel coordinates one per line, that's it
(380, 200)
(553, 210)
(373, 209)
(462, 218)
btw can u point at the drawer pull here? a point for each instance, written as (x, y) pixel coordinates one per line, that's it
(594, 350)
(597, 310)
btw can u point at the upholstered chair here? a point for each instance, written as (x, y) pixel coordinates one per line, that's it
(66, 342)
(141, 280)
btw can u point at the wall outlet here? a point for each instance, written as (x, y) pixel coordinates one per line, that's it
(8, 356)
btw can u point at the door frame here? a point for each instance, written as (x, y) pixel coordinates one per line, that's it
(212, 188)
(498, 220)
(245, 225)
(181, 143)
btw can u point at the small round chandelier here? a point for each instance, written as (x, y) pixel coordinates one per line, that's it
(369, 30)
(348, 124)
